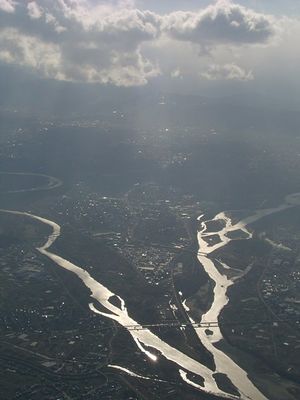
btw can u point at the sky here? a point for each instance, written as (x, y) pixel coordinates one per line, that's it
(287, 7)
(178, 44)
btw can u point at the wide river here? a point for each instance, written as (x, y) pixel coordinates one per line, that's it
(145, 339)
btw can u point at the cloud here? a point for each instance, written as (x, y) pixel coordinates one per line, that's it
(30, 52)
(105, 41)
(227, 72)
(176, 74)
(7, 6)
(222, 23)
(34, 11)
(71, 40)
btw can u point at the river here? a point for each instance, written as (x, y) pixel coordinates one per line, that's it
(147, 341)
(225, 364)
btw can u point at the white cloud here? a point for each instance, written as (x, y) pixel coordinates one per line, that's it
(71, 40)
(221, 23)
(176, 74)
(7, 6)
(106, 41)
(34, 11)
(31, 52)
(227, 72)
